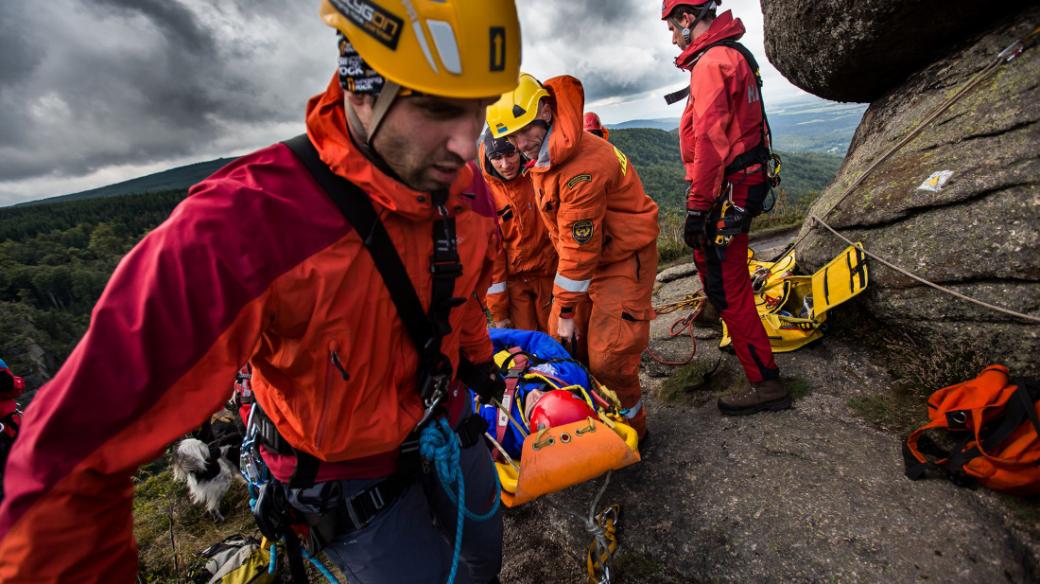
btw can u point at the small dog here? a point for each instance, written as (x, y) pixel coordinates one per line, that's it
(206, 470)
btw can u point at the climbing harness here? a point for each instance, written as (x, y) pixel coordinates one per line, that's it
(274, 515)
(762, 153)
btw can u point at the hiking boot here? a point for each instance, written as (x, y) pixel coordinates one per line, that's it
(766, 395)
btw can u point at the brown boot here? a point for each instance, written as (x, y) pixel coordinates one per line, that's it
(765, 395)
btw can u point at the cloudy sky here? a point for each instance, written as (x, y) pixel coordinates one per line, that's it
(98, 91)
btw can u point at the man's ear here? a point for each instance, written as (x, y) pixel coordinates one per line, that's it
(545, 111)
(361, 105)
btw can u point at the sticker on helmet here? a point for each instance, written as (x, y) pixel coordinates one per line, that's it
(497, 44)
(582, 230)
(578, 179)
(376, 21)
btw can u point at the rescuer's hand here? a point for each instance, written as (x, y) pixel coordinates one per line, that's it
(483, 379)
(695, 233)
(565, 329)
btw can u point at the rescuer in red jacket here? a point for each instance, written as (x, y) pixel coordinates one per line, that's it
(340, 378)
(724, 139)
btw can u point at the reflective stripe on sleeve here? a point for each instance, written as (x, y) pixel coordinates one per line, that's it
(572, 285)
(634, 410)
(497, 288)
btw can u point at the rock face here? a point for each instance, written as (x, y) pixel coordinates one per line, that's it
(856, 50)
(978, 233)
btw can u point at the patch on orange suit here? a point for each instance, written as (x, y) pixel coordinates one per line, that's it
(582, 230)
(578, 179)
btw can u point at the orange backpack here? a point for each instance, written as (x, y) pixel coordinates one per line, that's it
(995, 426)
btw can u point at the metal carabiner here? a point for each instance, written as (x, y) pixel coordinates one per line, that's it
(434, 398)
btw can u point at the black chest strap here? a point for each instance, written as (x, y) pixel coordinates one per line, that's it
(425, 329)
(761, 153)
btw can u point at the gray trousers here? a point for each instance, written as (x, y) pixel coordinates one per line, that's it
(412, 540)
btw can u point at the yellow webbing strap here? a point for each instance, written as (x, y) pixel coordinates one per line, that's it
(597, 557)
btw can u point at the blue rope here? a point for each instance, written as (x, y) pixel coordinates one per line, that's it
(321, 567)
(438, 444)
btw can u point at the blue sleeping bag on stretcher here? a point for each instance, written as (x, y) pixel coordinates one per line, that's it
(542, 347)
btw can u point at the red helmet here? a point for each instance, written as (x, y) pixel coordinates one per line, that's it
(559, 407)
(13, 387)
(594, 126)
(668, 6)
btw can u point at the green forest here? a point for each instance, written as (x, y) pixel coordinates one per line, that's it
(55, 257)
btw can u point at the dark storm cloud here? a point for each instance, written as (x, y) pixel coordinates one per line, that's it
(616, 47)
(17, 57)
(88, 85)
(178, 24)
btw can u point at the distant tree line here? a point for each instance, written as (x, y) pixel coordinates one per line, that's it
(55, 260)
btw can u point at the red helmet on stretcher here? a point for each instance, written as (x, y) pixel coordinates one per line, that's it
(559, 407)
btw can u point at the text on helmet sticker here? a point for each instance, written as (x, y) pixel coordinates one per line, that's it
(376, 21)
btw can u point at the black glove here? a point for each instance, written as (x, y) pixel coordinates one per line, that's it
(695, 232)
(483, 379)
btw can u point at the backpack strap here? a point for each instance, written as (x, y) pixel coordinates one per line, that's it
(1020, 407)
(921, 454)
(517, 364)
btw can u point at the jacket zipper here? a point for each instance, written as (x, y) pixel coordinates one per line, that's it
(334, 358)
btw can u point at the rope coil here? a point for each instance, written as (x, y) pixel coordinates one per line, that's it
(439, 444)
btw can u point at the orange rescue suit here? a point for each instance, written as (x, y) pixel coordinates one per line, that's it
(604, 227)
(522, 279)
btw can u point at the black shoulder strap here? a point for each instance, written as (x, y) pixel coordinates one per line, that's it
(359, 212)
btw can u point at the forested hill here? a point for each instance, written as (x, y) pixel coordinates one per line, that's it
(181, 177)
(655, 154)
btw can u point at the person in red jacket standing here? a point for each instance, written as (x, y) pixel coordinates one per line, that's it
(355, 297)
(520, 295)
(724, 138)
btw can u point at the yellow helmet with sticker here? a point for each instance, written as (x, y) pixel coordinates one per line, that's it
(516, 108)
(450, 48)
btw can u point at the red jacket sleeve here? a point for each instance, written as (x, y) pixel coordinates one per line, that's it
(183, 310)
(712, 116)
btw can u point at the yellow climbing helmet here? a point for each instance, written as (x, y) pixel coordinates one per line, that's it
(517, 107)
(450, 48)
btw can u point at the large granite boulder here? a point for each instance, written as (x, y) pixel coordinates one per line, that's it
(856, 50)
(977, 233)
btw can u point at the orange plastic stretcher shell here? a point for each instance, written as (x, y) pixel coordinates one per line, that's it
(567, 455)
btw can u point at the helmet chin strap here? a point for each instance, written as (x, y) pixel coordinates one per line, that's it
(364, 138)
(687, 31)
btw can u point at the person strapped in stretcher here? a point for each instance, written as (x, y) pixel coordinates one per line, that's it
(562, 428)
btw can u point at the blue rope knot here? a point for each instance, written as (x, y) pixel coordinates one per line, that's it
(439, 445)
